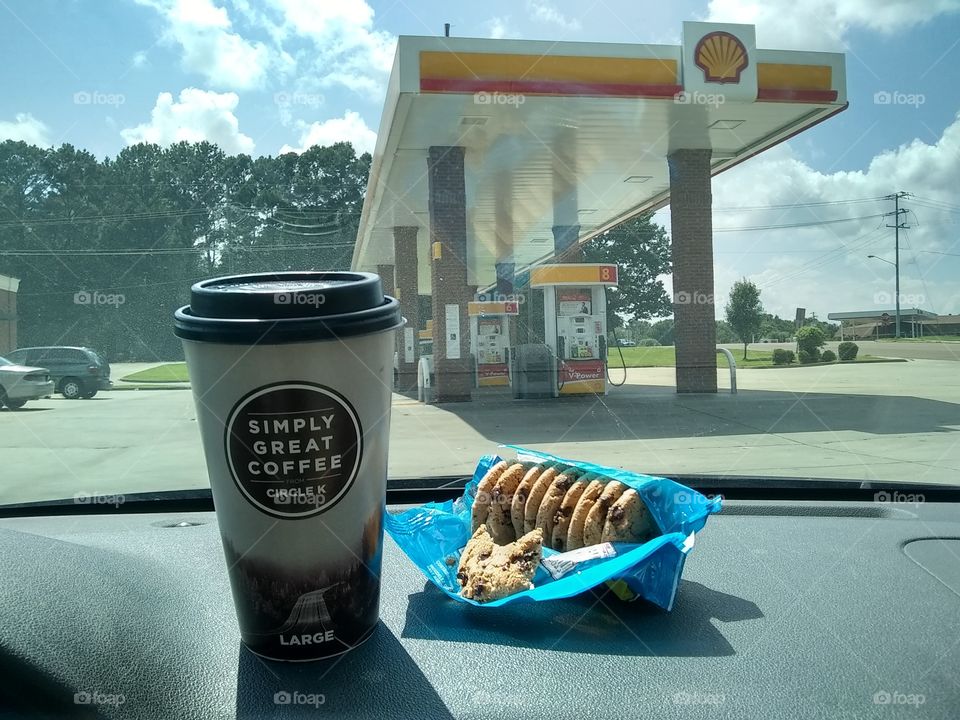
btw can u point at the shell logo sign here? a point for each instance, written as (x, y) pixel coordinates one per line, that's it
(722, 57)
(720, 60)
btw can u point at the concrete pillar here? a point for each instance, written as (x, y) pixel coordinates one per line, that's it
(566, 249)
(448, 273)
(694, 317)
(405, 273)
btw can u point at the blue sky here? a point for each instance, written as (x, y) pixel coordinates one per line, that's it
(274, 75)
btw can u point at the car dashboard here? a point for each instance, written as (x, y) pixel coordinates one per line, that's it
(814, 609)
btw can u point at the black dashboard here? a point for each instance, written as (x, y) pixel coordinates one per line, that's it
(813, 609)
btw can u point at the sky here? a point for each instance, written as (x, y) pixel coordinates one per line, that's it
(270, 76)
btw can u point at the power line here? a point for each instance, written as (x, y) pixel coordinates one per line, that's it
(798, 225)
(827, 258)
(799, 205)
(167, 251)
(931, 201)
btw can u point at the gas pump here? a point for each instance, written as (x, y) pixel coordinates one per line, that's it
(490, 341)
(575, 323)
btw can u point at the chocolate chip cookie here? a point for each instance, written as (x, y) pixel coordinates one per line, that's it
(489, 571)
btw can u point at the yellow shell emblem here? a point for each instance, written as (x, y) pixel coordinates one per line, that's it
(721, 56)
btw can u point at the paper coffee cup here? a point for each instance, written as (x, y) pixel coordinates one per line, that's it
(291, 376)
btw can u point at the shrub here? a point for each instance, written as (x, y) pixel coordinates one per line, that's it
(647, 342)
(783, 357)
(810, 339)
(828, 356)
(809, 356)
(848, 350)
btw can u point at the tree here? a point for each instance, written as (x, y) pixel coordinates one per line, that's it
(145, 225)
(725, 333)
(810, 338)
(662, 331)
(776, 328)
(641, 250)
(744, 311)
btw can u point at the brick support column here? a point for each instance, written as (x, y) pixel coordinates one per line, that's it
(448, 272)
(566, 249)
(405, 272)
(691, 220)
(389, 288)
(505, 277)
(387, 280)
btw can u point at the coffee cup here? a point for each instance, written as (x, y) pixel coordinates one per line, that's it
(291, 375)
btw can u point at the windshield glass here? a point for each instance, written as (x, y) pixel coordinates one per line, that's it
(716, 238)
(4, 361)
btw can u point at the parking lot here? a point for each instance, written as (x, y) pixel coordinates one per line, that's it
(886, 421)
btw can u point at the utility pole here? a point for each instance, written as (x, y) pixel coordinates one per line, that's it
(897, 225)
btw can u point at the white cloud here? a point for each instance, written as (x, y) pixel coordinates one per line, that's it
(211, 48)
(351, 127)
(139, 59)
(823, 24)
(25, 128)
(545, 11)
(322, 42)
(499, 27)
(345, 49)
(197, 115)
(825, 268)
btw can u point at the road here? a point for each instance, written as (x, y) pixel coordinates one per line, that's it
(880, 421)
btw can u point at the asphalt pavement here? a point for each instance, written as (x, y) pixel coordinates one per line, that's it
(885, 421)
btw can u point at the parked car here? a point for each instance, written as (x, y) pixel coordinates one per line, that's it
(627, 343)
(77, 372)
(20, 383)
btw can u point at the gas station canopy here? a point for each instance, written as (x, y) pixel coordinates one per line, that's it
(573, 134)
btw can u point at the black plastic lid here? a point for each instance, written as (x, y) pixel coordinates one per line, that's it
(286, 307)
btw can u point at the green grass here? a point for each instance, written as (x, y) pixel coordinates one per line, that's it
(171, 372)
(665, 356)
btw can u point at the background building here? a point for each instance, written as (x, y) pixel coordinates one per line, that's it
(8, 313)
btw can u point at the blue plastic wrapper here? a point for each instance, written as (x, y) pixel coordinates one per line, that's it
(433, 535)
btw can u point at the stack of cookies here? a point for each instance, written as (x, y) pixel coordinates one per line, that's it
(571, 508)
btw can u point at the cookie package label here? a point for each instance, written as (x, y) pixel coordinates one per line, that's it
(293, 448)
(562, 563)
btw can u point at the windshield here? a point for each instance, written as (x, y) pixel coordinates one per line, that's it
(711, 239)
(4, 361)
